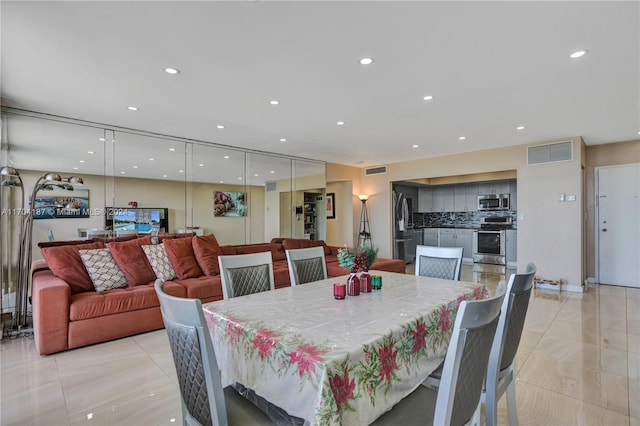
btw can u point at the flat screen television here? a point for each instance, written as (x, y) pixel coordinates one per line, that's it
(144, 220)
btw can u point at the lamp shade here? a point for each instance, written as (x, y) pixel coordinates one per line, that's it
(363, 197)
(8, 171)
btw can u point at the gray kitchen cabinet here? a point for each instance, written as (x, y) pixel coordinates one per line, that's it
(458, 238)
(425, 199)
(414, 239)
(513, 190)
(493, 187)
(443, 198)
(465, 197)
(512, 248)
(430, 237)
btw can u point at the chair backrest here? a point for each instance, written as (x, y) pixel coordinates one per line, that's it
(196, 365)
(50, 236)
(306, 265)
(514, 312)
(123, 232)
(101, 233)
(465, 364)
(439, 262)
(244, 274)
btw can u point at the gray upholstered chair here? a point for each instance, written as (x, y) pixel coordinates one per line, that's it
(457, 400)
(439, 262)
(204, 401)
(244, 274)
(306, 265)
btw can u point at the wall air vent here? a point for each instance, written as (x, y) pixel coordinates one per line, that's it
(550, 153)
(378, 170)
(270, 186)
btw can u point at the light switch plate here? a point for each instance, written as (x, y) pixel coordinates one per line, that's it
(571, 197)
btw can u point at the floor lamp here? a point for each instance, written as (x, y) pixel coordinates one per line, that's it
(364, 234)
(45, 182)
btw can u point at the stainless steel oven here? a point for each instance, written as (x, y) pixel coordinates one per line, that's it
(489, 245)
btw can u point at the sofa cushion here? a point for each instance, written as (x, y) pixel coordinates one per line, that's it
(203, 288)
(277, 252)
(103, 270)
(182, 257)
(66, 264)
(132, 260)
(296, 243)
(159, 261)
(91, 304)
(206, 250)
(228, 250)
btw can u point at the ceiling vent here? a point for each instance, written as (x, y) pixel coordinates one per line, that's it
(270, 186)
(378, 170)
(550, 153)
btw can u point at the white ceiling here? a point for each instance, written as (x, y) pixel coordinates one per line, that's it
(491, 66)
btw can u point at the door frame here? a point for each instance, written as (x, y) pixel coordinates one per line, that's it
(596, 196)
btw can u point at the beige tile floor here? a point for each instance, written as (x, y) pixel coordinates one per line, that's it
(578, 364)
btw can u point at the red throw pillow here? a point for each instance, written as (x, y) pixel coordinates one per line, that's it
(132, 260)
(65, 263)
(206, 250)
(182, 257)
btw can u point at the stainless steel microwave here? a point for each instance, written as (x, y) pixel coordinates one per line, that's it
(494, 202)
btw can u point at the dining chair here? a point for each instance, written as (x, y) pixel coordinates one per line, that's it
(204, 400)
(50, 236)
(100, 233)
(244, 274)
(82, 232)
(501, 369)
(438, 262)
(457, 400)
(306, 265)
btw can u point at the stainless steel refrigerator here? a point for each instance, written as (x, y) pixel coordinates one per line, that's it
(400, 225)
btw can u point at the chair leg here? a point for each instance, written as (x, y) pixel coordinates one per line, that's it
(491, 408)
(511, 402)
(475, 420)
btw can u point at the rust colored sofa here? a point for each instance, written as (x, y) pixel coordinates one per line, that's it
(69, 313)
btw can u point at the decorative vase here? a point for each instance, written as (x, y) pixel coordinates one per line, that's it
(365, 281)
(353, 284)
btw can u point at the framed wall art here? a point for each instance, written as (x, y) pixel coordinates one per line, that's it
(331, 205)
(229, 204)
(59, 203)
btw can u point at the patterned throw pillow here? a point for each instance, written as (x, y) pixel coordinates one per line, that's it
(159, 261)
(103, 270)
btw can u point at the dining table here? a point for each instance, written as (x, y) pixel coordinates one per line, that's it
(337, 362)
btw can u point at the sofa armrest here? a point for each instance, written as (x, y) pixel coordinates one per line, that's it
(50, 300)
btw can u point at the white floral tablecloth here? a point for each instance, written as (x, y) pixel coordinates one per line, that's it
(337, 361)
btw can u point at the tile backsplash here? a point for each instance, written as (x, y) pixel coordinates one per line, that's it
(461, 219)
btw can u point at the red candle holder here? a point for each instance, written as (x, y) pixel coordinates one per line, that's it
(339, 291)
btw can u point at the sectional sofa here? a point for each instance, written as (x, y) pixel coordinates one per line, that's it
(91, 291)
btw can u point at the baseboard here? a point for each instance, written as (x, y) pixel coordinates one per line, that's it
(572, 288)
(591, 280)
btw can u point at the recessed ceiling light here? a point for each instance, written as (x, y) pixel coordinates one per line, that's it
(164, 176)
(122, 172)
(340, 123)
(220, 126)
(152, 159)
(133, 108)
(462, 138)
(578, 54)
(82, 161)
(283, 140)
(76, 168)
(102, 139)
(90, 152)
(271, 171)
(173, 71)
(256, 175)
(221, 181)
(428, 98)
(414, 146)
(274, 102)
(226, 156)
(135, 167)
(366, 61)
(239, 178)
(520, 128)
(200, 165)
(172, 149)
(180, 171)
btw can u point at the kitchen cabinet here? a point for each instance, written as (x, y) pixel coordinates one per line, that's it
(493, 187)
(465, 197)
(425, 199)
(413, 239)
(458, 238)
(430, 237)
(511, 248)
(443, 198)
(513, 190)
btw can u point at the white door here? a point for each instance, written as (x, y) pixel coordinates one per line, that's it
(618, 227)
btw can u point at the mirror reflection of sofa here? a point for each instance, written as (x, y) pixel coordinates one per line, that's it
(91, 291)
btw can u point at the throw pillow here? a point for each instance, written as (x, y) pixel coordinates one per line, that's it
(132, 260)
(157, 256)
(180, 252)
(102, 269)
(66, 264)
(206, 250)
